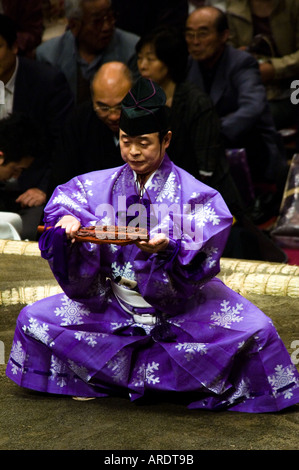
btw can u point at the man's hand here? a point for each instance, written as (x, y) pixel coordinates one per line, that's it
(71, 225)
(33, 197)
(158, 243)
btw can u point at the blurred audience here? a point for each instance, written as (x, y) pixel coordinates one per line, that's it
(269, 30)
(232, 79)
(43, 94)
(90, 40)
(162, 56)
(28, 18)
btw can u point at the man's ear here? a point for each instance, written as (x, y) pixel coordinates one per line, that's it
(167, 139)
(74, 25)
(225, 36)
(1, 158)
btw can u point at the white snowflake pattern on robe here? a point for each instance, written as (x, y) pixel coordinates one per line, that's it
(227, 315)
(191, 349)
(170, 190)
(203, 213)
(242, 391)
(64, 200)
(147, 374)
(120, 366)
(38, 331)
(80, 371)
(123, 271)
(72, 312)
(18, 355)
(282, 380)
(88, 337)
(58, 371)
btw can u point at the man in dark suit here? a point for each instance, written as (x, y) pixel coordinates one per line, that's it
(89, 140)
(232, 79)
(42, 93)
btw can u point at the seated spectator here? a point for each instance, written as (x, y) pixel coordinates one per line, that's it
(92, 130)
(21, 145)
(90, 40)
(196, 146)
(269, 30)
(141, 17)
(28, 18)
(42, 93)
(232, 79)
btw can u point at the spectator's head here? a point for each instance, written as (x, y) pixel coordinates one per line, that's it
(20, 145)
(92, 23)
(110, 85)
(8, 48)
(206, 34)
(162, 55)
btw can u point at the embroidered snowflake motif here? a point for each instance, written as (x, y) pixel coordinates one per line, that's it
(99, 289)
(58, 371)
(242, 390)
(228, 314)
(157, 181)
(66, 201)
(39, 331)
(123, 271)
(211, 253)
(116, 326)
(125, 179)
(89, 338)
(72, 312)
(283, 377)
(80, 197)
(203, 214)
(195, 195)
(84, 187)
(80, 371)
(120, 366)
(146, 373)
(191, 349)
(113, 248)
(18, 355)
(170, 189)
(87, 183)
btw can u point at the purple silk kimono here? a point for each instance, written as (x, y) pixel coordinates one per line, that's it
(192, 336)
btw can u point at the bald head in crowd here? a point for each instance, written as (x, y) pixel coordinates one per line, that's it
(110, 85)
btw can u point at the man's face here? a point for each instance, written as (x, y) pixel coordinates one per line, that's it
(14, 169)
(7, 60)
(107, 102)
(205, 44)
(143, 153)
(96, 26)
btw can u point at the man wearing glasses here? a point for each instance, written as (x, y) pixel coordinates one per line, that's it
(89, 138)
(90, 40)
